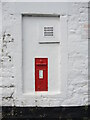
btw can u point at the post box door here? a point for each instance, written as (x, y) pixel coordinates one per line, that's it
(41, 74)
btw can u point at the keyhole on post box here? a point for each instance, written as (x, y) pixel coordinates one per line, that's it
(40, 74)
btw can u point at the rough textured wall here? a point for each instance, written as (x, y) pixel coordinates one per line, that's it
(7, 57)
(0, 54)
(77, 55)
(77, 82)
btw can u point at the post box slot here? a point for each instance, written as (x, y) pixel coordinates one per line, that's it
(41, 64)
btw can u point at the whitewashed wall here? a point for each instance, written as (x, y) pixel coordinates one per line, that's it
(0, 54)
(77, 80)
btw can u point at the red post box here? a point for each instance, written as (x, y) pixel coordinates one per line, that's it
(41, 74)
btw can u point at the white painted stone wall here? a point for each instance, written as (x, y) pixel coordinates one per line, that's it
(0, 54)
(77, 76)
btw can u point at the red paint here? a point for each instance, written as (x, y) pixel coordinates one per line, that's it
(41, 82)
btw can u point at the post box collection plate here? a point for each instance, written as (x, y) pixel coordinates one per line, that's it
(41, 74)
